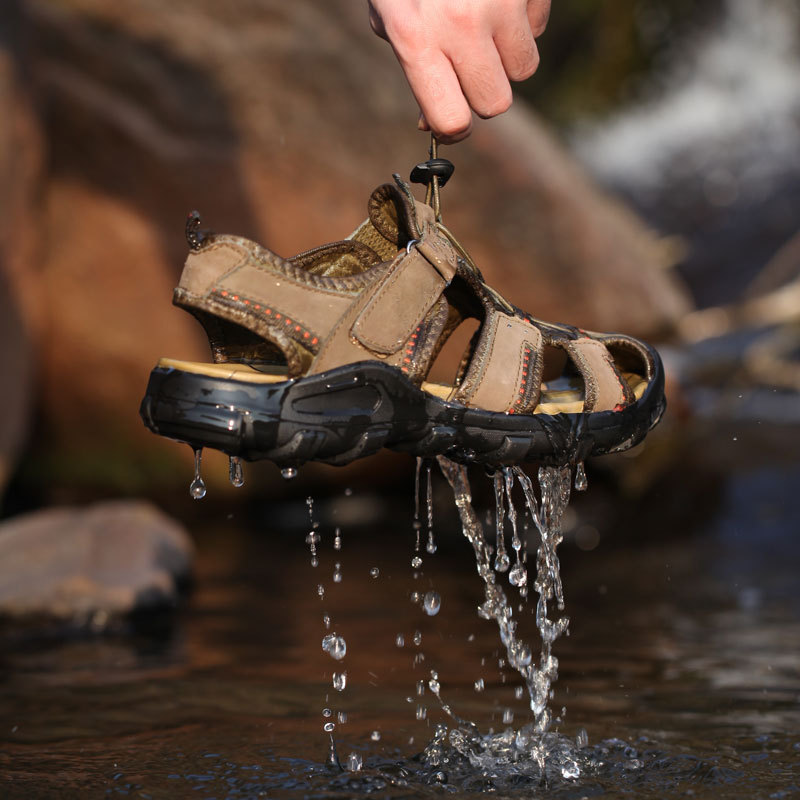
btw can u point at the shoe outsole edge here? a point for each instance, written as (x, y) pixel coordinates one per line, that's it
(353, 411)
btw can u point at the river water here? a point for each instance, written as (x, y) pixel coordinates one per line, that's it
(679, 676)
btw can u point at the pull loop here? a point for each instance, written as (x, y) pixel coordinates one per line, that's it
(435, 173)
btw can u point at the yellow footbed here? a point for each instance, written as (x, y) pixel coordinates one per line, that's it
(562, 401)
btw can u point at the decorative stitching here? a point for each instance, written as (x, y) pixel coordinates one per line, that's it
(294, 329)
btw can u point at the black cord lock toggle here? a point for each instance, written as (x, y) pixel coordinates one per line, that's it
(438, 167)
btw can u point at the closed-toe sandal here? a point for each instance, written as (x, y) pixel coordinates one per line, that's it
(326, 356)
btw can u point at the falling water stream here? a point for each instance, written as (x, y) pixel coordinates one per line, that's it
(531, 748)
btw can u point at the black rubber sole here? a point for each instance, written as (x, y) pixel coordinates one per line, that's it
(353, 411)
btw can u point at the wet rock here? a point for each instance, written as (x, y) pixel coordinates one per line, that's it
(98, 562)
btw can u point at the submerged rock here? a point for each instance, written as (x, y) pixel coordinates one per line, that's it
(78, 564)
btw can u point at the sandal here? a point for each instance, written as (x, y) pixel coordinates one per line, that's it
(325, 356)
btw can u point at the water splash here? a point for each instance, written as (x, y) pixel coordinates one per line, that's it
(197, 488)
(501, 560)
(354, 762)
(530, 742)
(581, 482)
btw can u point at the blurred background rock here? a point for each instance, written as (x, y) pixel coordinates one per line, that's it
(646, 181)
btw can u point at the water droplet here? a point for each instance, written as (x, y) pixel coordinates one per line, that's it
(508, 716)
(348, 492)
(431, 545)
(314, 561)
(434, 686)
(197, 489)
(354, 762)
(422, 712)
(400, 640)
(518, 692)
(374, 572)
(321, 590)
(417, 638)
(337, 539)
(415, 597)
(582, 738)
(581, 481)
(337, 573)
(329, 727)
(341, 717)
(326, 621)
(432, 603)
(334, 645)
(235, 471)
(326, 712)
(420, 688)
(339, 681)
(312, 538)
(502, 562)
(518, 576)
(375, 736)
(287, 473)
(416, 562)
(479, 685)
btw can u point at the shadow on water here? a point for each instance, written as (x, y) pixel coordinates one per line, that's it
(680, 665)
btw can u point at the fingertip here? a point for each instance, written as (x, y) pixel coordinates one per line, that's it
(452, 131)
(498, 105)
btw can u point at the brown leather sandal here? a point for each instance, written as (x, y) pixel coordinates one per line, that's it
(325, 356)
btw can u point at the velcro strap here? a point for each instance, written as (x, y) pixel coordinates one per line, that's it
(605, 388)
(507, 367)
(401, 303)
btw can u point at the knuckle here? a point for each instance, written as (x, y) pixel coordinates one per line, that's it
(451, 123)
(538, 15)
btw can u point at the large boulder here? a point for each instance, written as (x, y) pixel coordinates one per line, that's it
(276, 120)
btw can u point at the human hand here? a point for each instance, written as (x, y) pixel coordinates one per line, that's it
(459, 55)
